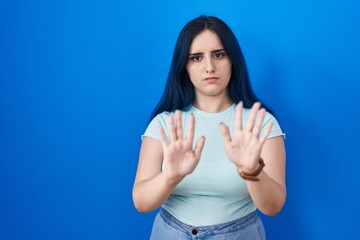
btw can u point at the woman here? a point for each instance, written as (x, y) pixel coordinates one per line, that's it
(210, 177)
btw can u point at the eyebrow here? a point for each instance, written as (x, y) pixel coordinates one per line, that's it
(215, 51)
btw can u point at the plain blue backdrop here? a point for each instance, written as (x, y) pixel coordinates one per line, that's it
(78, 80)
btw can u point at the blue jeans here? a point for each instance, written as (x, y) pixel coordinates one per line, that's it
(168, 227)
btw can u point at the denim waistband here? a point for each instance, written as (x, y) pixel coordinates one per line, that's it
(232, 226)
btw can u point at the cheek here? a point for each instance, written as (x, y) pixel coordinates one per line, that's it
(191, 70)
(227, 68)
(188, 69)
(189, 73)
(230, 70)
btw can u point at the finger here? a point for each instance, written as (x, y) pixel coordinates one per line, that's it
(258, 122)
(251, 118)
(163, 140)
(266, 133)
(199, 147)
(238, 116)
(191, 129)
(225, 133)
(179, 129)
(172, 131)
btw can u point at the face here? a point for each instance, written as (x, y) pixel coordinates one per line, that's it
(208, 65)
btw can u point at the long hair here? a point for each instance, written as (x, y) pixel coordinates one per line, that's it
(179, 91)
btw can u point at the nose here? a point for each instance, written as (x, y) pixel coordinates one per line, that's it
(210, 68)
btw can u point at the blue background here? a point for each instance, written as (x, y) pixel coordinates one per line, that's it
(78, 80)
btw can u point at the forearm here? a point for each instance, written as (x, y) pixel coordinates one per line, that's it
(149, 194)
(268, 195)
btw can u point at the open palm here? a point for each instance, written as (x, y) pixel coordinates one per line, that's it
(244, 147)
(179, 156)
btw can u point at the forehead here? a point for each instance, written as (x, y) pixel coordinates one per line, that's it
(206, 40)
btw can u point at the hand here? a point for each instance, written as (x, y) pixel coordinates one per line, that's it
(244, 148)
(179, 157)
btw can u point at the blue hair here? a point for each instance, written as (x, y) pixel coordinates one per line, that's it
(179, 90)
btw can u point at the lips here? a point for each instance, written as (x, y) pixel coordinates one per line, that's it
(210, 79)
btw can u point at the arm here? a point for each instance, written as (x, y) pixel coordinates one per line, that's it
(246, 147)
(269, 193)
(152, 185)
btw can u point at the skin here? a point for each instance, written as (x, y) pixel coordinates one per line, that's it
(208, 59)
(209, 69)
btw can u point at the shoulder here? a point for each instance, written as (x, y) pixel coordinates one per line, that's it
(162, 116)
(165, 115)
(268, 116)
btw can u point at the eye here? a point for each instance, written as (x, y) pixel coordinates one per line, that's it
(219, 55)
(196, 58)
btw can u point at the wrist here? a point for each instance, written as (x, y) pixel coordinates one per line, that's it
(253, 175)
(171, 179)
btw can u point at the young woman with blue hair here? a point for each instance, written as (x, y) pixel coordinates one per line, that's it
(212, 155)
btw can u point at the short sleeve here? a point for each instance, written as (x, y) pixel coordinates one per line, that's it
(152, 130)
(275, 130)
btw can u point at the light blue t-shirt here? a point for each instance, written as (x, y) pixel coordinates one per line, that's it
(213, 193)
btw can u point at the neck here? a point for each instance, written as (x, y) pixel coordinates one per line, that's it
(212, 104)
